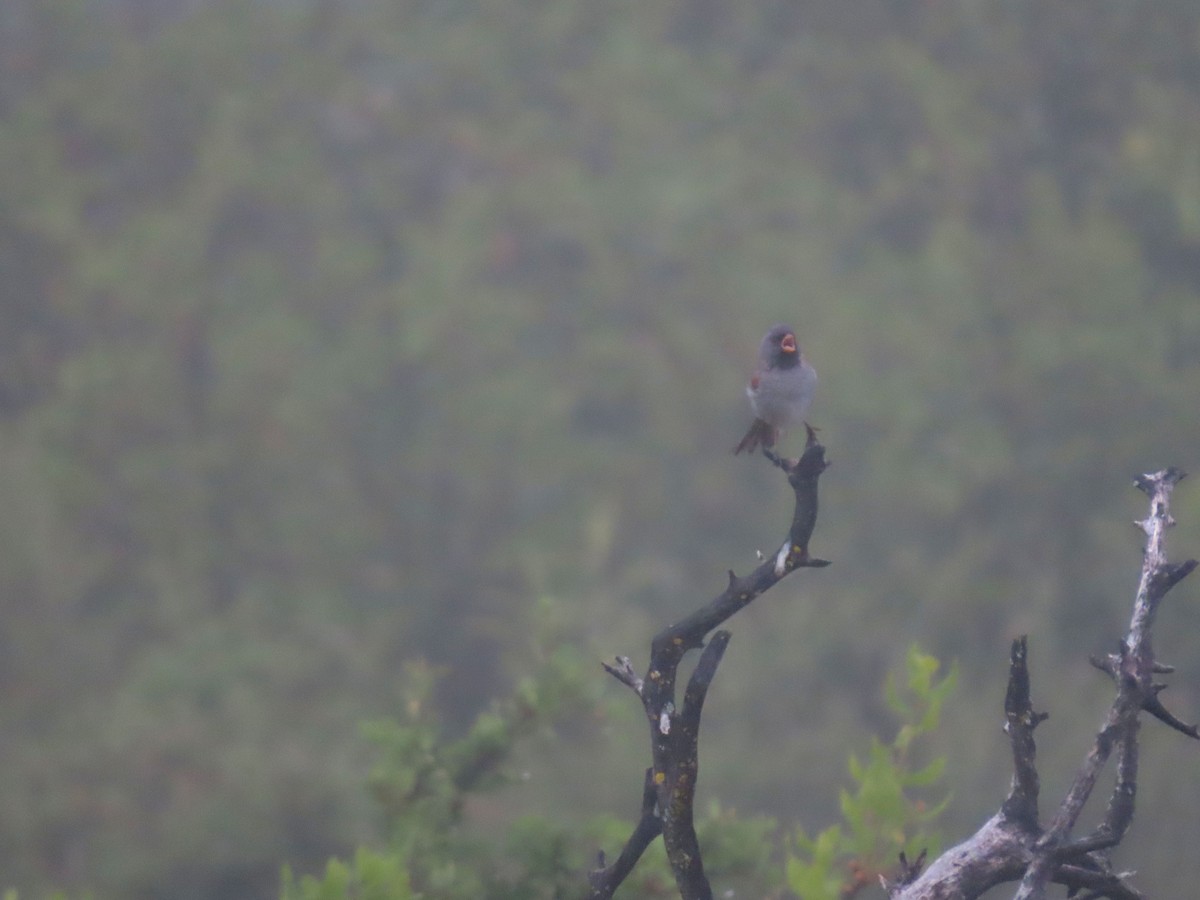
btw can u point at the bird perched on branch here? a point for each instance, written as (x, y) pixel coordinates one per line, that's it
(780, 390)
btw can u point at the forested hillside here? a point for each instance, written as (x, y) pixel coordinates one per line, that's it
(349, 342)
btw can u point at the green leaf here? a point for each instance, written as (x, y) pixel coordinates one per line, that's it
(927, 776)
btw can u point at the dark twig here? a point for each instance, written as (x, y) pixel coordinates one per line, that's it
(674, 733)
(1020, 720)
(909, 872)
(604, 880)
(1154, 706)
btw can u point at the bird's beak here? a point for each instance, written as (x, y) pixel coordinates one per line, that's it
(788, 344)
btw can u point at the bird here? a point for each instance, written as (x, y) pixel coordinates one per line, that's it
(780, 390)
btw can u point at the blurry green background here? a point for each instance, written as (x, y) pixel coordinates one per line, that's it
(344, 333)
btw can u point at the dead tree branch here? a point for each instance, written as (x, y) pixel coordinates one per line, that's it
(674, 732)
(1012, 844)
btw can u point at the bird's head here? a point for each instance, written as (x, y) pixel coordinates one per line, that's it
(780, 349)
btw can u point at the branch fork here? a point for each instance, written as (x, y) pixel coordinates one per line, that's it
(1013, 845)
(670, 783)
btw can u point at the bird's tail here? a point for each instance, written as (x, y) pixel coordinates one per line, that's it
(760, 433)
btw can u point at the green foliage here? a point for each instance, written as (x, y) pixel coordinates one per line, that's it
(425, 782)
(426, 785)
(883, 816)
(371, 876)
(437, 852)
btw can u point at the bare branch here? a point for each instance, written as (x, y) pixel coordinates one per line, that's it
(1019, 722)
(1133, 670)
(623, 671)
(1012, 844)
(605, 880)
(674, 733)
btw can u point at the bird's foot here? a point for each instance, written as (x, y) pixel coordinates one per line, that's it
(786, 464)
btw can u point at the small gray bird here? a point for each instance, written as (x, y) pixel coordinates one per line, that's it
(780, 390)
